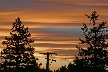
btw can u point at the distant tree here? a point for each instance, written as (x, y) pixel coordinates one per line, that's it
(18, 53)
(72, 68)
(61, 69)
(95, 57)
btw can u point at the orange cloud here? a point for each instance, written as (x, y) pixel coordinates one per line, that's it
(54, 24)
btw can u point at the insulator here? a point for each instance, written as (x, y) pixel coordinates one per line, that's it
(53, 60)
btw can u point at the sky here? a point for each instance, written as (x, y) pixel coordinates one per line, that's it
(55, 25)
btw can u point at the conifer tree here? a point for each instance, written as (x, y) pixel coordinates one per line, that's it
(95, 56)
(18, 53)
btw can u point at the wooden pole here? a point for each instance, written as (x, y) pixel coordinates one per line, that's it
(47, 63)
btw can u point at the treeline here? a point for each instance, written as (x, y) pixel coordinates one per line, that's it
(18, 54)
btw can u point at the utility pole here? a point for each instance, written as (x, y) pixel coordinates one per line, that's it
(47, 63)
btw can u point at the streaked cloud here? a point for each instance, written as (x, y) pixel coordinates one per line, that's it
(54, 24)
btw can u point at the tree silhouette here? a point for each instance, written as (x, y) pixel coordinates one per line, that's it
(95, 57)
(61, 69)
(18, 53)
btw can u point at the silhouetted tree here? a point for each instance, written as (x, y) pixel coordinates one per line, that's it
(61, 69)
(95, 57)
(72, 68)
(18, 53)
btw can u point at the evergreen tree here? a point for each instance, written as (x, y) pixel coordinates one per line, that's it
(62, 69)
(95, 57)
(18, 53)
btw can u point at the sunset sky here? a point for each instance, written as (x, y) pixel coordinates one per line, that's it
(54, 24)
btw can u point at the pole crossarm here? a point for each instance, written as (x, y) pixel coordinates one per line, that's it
(48, 53)
(47, 63)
